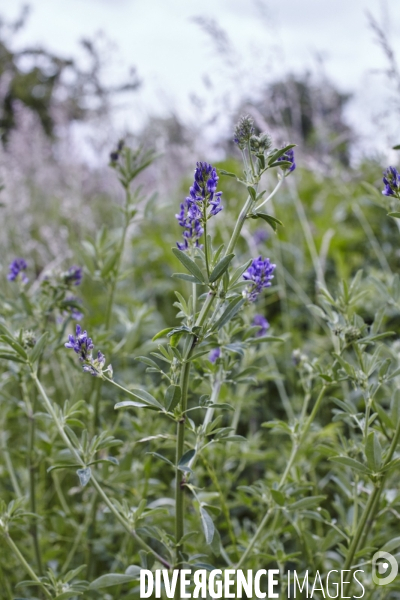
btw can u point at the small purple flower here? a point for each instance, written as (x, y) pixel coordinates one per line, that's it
(214, 354)
(260, 235)
(194, 211)
(259, 276)
(391, 179)
(289, 157)
(261, 322)
(17, 268)
(83, 346)
(73, 276)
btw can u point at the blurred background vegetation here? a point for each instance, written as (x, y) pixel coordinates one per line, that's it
(58, 191)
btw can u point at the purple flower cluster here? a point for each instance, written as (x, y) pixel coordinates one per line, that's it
(261, 322)
(83, 346)
(17, 268)
(391, 179)
(259, 276)
(194, 210)
(288, 157)
(73, 276)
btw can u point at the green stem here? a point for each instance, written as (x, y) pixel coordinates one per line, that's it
(206, 246)
(294, 454)
(11, 472)
(32, 488)
(26, 566)
(239, 224)
(371, 507)
(93, 480)
(179, 480)
(272, 194)
(110, 305)
(179, 487)
(125, 524)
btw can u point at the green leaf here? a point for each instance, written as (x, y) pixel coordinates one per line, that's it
(239, 272)
(208, 525)
(275, 155)
(227, 173)
(145, 396)
(38, 348)
(186, 458)
(373, 452)
(161, 334)
(395, 215)
(14, 345)
(186, 277)
(284, 164)
(231, 310)
(130, 404)
(189, 264)
(12, 357)
(147, 361)
(220, 268)
(350, 462)
(306, 503)
(269, 219)
(391, 545)
(163, 458)
(109, 264)
(252, 192)
(111, 579)
(278, 497)
(172, 397)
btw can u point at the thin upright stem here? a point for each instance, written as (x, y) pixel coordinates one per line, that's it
(272, 194)
(294, 454)
(11, 472)
(26, 566)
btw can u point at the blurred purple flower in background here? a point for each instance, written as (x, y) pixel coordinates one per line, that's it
(261, 322)
(16, 268)
(214, 354)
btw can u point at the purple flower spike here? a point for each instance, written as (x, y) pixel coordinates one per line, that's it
(261, 322)
(391, 179)
(259, 276)
(17, 268)
(202, 203)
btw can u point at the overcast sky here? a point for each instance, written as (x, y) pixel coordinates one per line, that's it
(174, 56)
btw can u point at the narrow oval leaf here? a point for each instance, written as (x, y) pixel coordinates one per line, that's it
(220, 268)
(189, 264)
(172, 397)
(111, 579)
(208, 525)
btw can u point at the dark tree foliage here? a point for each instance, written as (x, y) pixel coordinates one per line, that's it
(313, 113)
(43, 81)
